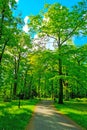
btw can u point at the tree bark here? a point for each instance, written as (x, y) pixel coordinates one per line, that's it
(60, 83)
(2, 21)
(1, 55)
(17, 63)
(60, 71)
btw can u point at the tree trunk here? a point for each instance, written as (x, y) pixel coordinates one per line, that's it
(1, 29)
(60, 72)
(16, 68)
(15, 89)
(60, 83)
(3, 49)
(2, 21)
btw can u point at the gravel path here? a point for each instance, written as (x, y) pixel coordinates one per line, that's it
(47, 118)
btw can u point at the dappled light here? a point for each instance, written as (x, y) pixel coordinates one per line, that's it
(47, 117)
(43, 64)
(13, 117)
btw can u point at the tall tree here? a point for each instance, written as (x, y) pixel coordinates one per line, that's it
(59, 23)
(6, 24)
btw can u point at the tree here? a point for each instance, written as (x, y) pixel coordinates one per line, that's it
(7, 24)
(59, 23)
(8, 28)
(19, 54)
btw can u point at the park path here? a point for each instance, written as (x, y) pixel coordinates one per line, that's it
(46, 117)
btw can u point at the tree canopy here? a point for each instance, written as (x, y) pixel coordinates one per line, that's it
(28, 68)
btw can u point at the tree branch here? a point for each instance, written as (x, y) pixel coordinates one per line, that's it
(71, 33)
(1, 55)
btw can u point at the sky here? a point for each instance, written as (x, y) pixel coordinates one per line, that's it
(28, 7)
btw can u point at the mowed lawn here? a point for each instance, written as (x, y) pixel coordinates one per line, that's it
(14, 118)
(76, 110)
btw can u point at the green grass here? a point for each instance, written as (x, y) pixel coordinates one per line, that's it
(76, 110)
(14, 118)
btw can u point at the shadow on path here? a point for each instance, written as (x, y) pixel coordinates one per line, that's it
(47, 118)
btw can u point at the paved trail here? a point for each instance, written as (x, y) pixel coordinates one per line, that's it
(47, 118)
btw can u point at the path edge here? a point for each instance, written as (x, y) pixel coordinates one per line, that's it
(32, 116)
(68, 118)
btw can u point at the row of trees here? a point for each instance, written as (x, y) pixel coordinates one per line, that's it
(27, 68)
(61, 24)
(14, 47)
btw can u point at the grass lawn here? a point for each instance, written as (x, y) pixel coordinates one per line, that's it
(14, 118)
(76, 110)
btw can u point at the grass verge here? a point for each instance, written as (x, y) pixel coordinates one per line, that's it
(14, 118)
(76, 110)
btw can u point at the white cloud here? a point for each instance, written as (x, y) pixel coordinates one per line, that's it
(17, 1)
(26, 19)
(25, 28)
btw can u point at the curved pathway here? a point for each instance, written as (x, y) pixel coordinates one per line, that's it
(46, 117)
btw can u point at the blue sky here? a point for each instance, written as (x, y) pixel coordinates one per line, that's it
(28, 7)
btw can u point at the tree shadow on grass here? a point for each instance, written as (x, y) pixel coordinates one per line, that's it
(14, 121)
(47, 118)
(78, 118)
(76, 111)
(13, 118)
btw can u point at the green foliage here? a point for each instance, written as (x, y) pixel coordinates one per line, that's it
(61, 24)
(28, 67)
